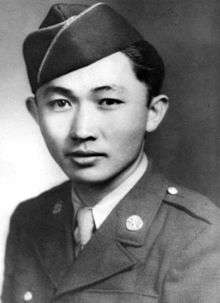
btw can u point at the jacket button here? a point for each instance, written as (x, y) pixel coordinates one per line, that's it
(172, 190)
(28, 296)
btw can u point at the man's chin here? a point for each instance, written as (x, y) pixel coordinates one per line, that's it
(100, 176)
(91, 178)
(85, 177)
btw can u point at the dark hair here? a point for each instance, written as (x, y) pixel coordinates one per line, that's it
(148, 66)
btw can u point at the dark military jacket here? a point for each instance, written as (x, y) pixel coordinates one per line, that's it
(173, 258)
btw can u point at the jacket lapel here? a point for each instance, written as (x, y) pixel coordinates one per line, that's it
(102, 257)
(52, 238)
(108, 252)
(143, 200)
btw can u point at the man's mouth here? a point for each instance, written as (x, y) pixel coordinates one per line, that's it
(82, 157)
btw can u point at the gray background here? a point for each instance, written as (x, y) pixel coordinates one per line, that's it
(186, 146)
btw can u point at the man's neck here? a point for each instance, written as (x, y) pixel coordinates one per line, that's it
(90, 194)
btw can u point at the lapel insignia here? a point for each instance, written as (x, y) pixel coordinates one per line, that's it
(134, 223)
(57, 208)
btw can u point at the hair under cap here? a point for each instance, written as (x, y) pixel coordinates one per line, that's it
(73, 36)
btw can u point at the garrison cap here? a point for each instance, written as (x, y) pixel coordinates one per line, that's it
(73, 36)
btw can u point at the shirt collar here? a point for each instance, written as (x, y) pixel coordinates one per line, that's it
(104, 207)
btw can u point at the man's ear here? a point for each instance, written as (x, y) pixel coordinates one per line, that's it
(156, 112)
(32, 107)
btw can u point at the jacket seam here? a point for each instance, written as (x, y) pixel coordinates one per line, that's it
(121, 292)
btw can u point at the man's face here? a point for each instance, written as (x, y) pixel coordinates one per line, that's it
(94, 119)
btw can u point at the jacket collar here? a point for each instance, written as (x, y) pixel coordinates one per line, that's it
(106, 253)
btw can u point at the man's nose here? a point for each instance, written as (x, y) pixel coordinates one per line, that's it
(83, 126)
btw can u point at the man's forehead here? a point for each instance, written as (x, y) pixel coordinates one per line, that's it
(107, 74)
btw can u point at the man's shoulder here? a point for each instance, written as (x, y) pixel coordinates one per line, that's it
(191, 203)
(191, 217)
(184, 218)
(42, 205)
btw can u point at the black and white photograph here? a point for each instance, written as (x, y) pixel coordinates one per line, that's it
(110, 151)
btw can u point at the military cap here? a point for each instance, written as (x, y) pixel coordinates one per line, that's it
(73, 36)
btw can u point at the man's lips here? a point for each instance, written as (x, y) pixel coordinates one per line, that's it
(84, 154)
(85, 158)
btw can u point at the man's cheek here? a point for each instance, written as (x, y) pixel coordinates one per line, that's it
(125, 142)
(133, 132)
(53, 132)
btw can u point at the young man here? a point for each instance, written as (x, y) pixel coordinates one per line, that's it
(117, 231)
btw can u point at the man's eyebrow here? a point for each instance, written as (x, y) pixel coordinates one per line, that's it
(112, 87)
(59, 90)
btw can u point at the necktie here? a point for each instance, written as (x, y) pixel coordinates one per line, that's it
(84, 229)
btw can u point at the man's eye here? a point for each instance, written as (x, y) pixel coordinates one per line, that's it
(109, 102)
(60, 105)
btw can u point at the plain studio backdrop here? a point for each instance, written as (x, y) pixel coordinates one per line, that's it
(186, 146)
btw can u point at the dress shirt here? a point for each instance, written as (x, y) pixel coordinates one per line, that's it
(104, 207)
